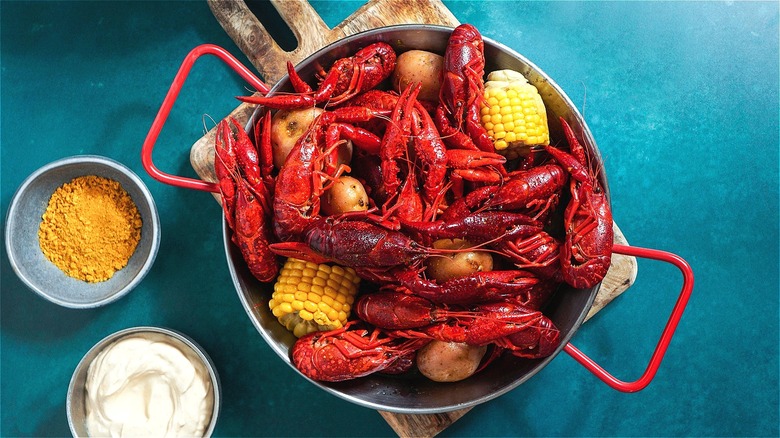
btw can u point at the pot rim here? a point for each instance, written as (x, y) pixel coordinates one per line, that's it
(239, 276)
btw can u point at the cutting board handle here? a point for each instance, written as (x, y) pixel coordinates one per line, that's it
(252, 37)
(311, 32)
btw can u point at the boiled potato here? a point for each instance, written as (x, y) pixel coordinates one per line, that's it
(449, 361)
(346, 194)
(419, 66)
(287, 126)
(460, 264)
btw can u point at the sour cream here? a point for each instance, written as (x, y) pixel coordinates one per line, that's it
(146, 385)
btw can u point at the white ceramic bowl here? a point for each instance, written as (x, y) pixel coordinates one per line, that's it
(24, 218)
(76, 399)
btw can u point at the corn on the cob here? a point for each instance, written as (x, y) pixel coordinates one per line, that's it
(308, 297)
(513, 113)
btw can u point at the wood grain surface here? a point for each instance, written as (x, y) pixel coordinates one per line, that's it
(251, 36)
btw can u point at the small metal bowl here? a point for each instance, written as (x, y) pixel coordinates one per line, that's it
(24, 218)
(75, 403)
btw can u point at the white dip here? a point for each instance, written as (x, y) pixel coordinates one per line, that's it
(144, 385)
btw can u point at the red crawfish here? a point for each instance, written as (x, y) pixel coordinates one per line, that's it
(312, 164)
(515, 236)
(457, 115)
(515, 286)
(527, 333)
(346, 78)
(351, 352)
(535, 192)
(369, 167)
(357, 240)
(413, 161)
(539, 253)
(246, 187)
(413, 140)
(354, 243)
(479, 227)
(474, 166)
(399, 178)
(430, 156)
(587, 250)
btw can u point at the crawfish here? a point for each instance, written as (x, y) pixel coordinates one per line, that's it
(398, 174)
(474, 166)
(311, 164)
(478, 227)
(535, 192)
(538, 253)
(354, 243)
(412, 149)
(526, 332)
(516, 236)
(348, 353)
(462, 91)
(346, 78)
(246, 187)
(412, 153)
(519, 287)
(361, 72)
(587, 250)
(432, 155)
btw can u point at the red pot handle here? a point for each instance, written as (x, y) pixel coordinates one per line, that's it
(170, 98)
(666, 335)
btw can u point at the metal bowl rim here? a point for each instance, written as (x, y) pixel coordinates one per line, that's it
(84, 159)
(83, 366)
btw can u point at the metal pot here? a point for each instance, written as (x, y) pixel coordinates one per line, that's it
(416, 394)
(412, 393)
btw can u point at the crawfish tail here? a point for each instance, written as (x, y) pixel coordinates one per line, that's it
(348, 353)
(477, 228)
(478, 287)
(365, 70)
(539, 253)
(394, 310)
(587, 252)
(533, 342)
(252, 234)
(362, 244)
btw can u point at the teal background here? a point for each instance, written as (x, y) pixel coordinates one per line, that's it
(682, 98)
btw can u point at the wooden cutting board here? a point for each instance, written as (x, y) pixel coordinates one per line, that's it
(312, 33)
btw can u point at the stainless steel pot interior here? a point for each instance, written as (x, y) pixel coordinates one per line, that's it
(414, 394)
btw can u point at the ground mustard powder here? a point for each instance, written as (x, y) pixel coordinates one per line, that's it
(90, 228)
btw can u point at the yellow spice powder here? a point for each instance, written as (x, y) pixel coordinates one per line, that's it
(90, 228)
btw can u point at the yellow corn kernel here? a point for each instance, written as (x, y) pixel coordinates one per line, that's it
(308, 297)
(310, 306)
(513, 114)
